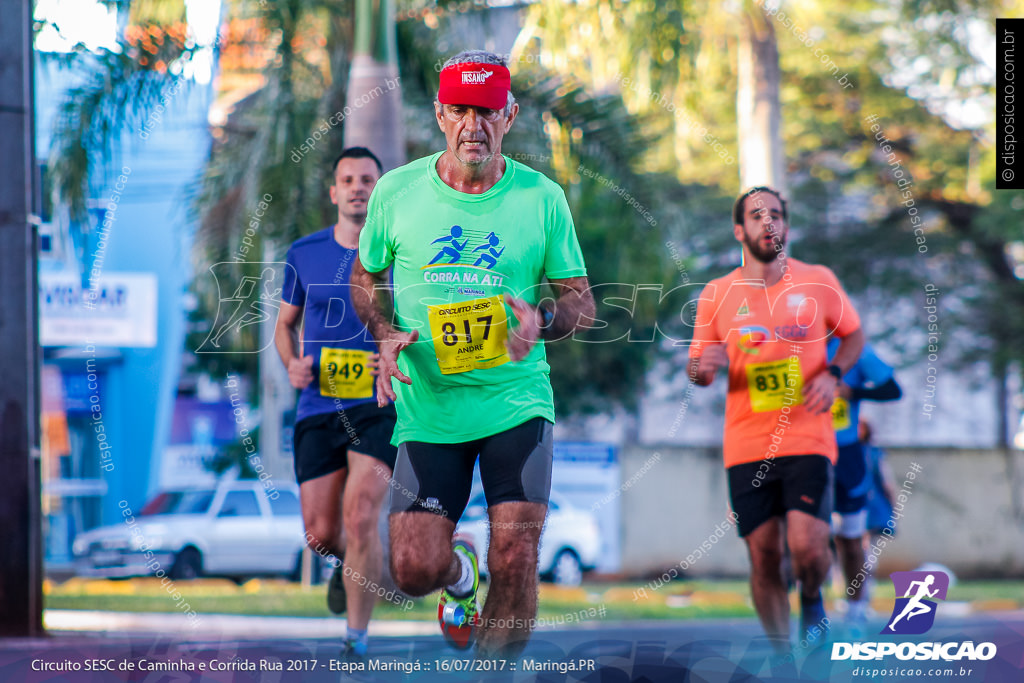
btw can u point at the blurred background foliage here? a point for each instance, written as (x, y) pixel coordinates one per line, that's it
(632, 108)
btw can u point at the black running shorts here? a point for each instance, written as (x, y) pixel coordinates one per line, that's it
(515, 465)
(322, 441)
(764, 489)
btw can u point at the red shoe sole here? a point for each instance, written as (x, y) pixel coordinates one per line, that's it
(459, 637)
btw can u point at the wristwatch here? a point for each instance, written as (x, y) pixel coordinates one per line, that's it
(546, 317)
(835, 371)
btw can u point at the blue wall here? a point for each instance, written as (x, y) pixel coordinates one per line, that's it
(151, 233)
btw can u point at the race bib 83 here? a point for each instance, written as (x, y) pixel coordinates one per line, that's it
(769, 383)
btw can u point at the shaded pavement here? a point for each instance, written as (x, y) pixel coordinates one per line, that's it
(159, 648)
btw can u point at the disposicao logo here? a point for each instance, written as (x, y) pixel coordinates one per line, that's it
(914, 614)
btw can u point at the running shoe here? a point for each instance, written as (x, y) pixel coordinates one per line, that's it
(459, 615)
(353, 649)
(814, 625)
(857, 620)
(336, 600)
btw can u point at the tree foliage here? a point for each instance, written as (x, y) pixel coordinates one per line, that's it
(115, 91)
(631, 106)
(913, 67)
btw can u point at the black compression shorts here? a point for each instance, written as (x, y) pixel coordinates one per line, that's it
(515, 465)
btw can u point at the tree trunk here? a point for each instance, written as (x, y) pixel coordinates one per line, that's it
(373, 103)
(758, 110)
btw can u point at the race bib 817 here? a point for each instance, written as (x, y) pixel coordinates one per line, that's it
(469, 335)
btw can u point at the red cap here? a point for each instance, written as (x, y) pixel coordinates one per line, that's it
(479, 85)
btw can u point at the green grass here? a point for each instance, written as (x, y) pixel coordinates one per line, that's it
(985, 590)
(966, 591)
(279, 598)
(590, 602)
(210, 596)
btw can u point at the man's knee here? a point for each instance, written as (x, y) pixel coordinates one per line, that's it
(361, 516)
(765, 557)
(417, 574)
(810, 552)
(322, 534)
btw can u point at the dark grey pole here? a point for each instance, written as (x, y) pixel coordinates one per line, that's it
(21, 595)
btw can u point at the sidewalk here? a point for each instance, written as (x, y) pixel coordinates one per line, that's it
(221, 625)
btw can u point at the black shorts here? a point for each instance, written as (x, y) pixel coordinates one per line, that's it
(852, 481)
(322, 441)
(515, 465)
(789, 482)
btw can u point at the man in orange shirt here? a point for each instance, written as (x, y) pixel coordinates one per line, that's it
(768, 322)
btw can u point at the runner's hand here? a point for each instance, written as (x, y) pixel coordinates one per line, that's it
(300, 372)
(845, 391)
(523, 337)
(712, 360)
(819, 393)
(388, 364)
(373, 363)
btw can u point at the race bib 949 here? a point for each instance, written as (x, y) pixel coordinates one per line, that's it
(469, 335)
(343, 373)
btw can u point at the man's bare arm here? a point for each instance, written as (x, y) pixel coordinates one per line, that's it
(286, 332)
(369, 307)
(850, 348)
(821, 390)
(286, 339)
(704, 367)
(573, 309)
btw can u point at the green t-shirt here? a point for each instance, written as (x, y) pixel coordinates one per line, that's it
(455, 255)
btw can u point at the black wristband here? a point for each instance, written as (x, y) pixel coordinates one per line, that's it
(836, 371)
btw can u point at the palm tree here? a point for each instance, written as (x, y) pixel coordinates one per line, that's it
(374, 98)
(665, 59)
(758, 112)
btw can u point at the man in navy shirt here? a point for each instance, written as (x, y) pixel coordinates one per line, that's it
(343, 452)
(870, 378)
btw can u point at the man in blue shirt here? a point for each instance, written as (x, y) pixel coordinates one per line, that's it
(872, 379)
(343, 452)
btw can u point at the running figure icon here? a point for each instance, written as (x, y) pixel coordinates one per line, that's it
(492, 253)
(914, 606)
(454, 250)
(252, 304)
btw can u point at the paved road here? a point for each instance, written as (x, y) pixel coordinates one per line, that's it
(698, 651)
